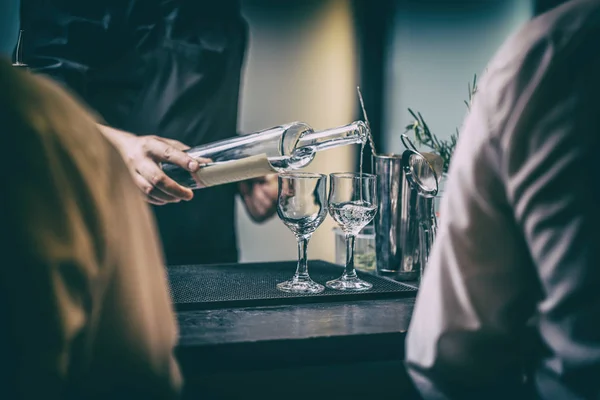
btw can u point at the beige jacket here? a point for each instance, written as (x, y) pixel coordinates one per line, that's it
(84, 306)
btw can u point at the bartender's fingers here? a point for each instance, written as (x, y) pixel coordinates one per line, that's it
(159, 180)
(270, 190)
(245, 188)
(159, 195)
(152, 200)
(183, 147)
(262, 202)
(272, 182)
(149, 191)
(260, 197)
(286, 190)
(175, 143)
(160, 150)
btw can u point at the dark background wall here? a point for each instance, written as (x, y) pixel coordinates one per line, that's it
(9, 26)
(301, 65)
(434, 49)
(541, 6)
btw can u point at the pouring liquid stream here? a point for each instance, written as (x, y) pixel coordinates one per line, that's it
(369, 136)
(364, 111)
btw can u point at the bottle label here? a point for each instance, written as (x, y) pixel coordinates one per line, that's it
(234, 171)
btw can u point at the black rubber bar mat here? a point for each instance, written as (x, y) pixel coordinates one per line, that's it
(196, 287)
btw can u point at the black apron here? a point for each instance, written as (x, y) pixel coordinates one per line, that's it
(167, 68)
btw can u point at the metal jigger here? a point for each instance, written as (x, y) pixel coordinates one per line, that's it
(423, 172)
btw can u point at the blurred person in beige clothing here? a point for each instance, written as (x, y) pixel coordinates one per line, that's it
(84, 304)
(512, 286)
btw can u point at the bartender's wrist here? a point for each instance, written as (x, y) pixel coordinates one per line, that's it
(115, 136)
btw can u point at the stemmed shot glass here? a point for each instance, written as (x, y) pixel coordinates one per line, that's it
(352, 204)
(302, 206)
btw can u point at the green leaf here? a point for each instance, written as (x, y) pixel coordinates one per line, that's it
(424, 136)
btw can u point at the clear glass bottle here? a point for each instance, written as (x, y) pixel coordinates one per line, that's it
(278, 149)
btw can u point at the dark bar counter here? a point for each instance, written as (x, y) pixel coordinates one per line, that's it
(324, 347)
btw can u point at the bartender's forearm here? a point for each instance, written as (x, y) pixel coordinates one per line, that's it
(143, 155)
(115, 136)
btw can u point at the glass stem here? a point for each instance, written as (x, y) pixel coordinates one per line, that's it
(302, 269)
(349, 271)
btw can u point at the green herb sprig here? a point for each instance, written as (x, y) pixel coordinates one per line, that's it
(424, 136)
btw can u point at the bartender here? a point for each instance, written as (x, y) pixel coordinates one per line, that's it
(161, 76)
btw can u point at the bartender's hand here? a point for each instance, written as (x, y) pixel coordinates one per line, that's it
(260, 197)
(143, 155)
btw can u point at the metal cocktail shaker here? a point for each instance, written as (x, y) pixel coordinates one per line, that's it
(396, 223)
(423, 171)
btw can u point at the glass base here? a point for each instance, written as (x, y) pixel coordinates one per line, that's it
(296, 285)
(349, 284)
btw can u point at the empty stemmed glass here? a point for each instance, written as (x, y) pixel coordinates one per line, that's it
(352, 204)
(302, 206)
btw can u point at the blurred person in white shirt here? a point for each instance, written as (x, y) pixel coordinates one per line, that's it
(518, 244)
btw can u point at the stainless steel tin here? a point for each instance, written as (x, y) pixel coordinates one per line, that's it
(409, 233)
(422, 172)
(396, 223)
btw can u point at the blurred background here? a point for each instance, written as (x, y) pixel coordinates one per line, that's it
(306, 57)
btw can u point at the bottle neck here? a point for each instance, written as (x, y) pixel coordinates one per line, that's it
(354, 133)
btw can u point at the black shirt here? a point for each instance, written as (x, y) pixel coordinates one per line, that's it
(167, 68)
